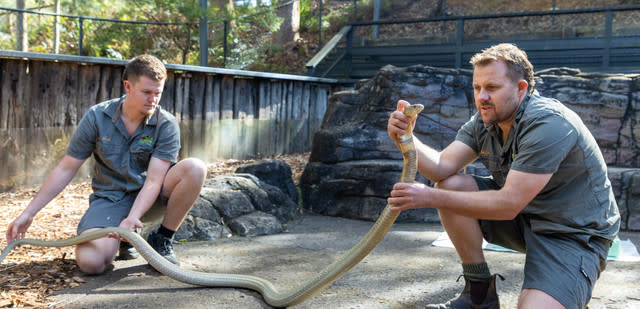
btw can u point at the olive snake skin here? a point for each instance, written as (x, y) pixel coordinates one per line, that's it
(271, 296)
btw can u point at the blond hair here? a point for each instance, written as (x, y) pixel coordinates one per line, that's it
(518, 64)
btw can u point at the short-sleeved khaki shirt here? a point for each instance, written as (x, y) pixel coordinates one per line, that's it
(121, 161)
(547, 137)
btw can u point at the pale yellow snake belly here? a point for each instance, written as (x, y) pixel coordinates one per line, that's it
(271, 296)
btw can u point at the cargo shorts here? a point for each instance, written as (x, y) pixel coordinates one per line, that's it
(565, 266)
(103, 212)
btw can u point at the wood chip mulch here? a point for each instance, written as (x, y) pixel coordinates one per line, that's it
(29, 276)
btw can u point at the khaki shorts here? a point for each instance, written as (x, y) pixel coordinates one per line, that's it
(564, 266)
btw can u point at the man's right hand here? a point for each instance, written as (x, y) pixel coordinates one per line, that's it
(398, 122)
(18, 227)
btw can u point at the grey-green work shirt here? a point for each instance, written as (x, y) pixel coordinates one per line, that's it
(121, 160)
(547, 137)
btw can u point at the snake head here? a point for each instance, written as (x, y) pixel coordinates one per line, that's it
(413, 110)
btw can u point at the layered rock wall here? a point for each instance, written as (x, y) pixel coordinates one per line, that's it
(354, 164)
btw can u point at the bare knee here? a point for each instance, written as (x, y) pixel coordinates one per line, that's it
(194, 168)
(532, 298)
(91, 266)
(458, 182)
(95, 256)
(91, 263)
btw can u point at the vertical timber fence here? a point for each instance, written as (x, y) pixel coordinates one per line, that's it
(223, 113)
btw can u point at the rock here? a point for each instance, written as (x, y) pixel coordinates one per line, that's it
(229, 203)
(255, 224)
(281, 206)
(239, 204)
(203, 208)
(274, 172)
(196, 228)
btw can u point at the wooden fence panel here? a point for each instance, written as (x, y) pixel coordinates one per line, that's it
(222, 114)
(12, 97)
(88, 94)
(227, 92)
(167, 102)
(212, 99)
(197, 94)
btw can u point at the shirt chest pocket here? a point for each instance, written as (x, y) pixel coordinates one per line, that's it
(110, 152)
(140, 155)
(498, 166)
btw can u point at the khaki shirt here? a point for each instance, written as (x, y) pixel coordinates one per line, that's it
(547, 137)
(121, 160)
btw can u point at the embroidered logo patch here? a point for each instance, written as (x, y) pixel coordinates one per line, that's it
(147, 140)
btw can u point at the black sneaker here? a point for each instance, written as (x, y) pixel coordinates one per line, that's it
(163, 246)
(127, 252)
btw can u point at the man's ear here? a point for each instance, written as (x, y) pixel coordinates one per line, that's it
(523, 87)
(127, 85)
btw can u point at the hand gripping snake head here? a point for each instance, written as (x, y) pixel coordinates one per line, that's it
(411, 111)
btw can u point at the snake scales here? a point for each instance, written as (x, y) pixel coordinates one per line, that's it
(274, 298)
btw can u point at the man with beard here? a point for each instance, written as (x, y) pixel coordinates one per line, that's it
(548, 195)
(135, 145)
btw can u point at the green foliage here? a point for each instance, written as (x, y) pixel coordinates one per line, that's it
(249, 32)
(249, 37)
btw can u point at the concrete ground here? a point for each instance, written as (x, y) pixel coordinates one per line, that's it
(403, 271)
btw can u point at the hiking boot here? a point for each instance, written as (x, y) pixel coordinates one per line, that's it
(163, 246)
(127, 252)
(463, 301)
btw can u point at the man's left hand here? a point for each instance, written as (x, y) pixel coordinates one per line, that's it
(409, 196)
(130, 224)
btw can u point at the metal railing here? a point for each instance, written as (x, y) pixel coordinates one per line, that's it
(320, 55)
(81, 20)
(202, 24)
(458, 46)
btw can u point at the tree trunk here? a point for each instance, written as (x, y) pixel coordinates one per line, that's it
(21, 28)
(230, 9)
(290, 27)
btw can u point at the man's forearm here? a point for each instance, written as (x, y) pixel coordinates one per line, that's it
(429, 164)
(145, 199)
(55, 182)
(439, 165)
(486, 205)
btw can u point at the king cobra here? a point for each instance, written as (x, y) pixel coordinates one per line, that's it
(271, 296)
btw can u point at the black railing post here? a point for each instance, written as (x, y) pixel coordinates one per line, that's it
(355, 10)
(459, 42)
(348, 55)
(320, 24)
(204, 35)
(608, 32)
(81, 35)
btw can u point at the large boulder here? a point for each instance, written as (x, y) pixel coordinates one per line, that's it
(239, 204)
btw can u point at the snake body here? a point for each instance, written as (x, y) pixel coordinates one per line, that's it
(271, 296)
